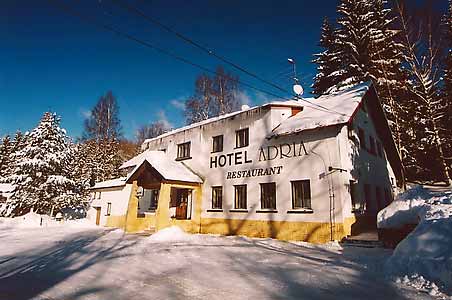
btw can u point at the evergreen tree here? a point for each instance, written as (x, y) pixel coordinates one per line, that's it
(6, 148)
(447, 87)
(327, 62)
(41, 174)
(425, 148)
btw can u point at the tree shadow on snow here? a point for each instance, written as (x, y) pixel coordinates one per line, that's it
(48, 267)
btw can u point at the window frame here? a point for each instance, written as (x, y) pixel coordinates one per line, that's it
(263, 194)
(247, 138)
(362, 138)
(379, 148)
(187, 156)
(215, 201)
(213, 143)
(108, 212)
(302, 182)
(245, 201)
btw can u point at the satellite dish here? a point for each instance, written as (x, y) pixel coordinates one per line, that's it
(245, 107)
(298, 89)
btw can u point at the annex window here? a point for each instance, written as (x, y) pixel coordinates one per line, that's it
(108, 209)
(183, 151)
(268, 195)
(217, 143)
(372, 145)
(301, 194)
(217, 197)
(240, 196)
(242, 138)
(362, 138)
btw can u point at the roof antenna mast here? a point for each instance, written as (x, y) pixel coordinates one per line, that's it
(297, 88)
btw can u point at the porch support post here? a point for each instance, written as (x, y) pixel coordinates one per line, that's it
(162, 213)
(132, 208)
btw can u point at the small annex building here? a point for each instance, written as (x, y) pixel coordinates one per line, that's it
(311, 170)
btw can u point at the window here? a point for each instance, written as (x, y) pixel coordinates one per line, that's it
(388, 197)
(301, 194)
(354, 196)
(183, 151)
(108, 209)
(378, 196)
(268, 195)
(367, 197)
(217, 145)
(372, 145)
(362, 138)
(154, 199)
(98, 195)
(242, 138)
(240, 196)
(379, 149)
(217, 197)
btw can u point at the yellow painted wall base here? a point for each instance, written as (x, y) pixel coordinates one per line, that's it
(289, 231)
(314, 232)
(348, 222)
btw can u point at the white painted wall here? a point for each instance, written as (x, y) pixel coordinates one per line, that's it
(362, 166)
(260, 123)
(117, 196)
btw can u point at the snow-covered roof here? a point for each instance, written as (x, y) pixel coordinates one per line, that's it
(324, 111)
(110, 183)
(289, 103)
(167, 168)
(6, 188)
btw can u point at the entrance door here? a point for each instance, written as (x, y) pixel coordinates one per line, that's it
(181, 204)
(97, 215)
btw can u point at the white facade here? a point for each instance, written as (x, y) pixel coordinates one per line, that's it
(111, 198)
(304, 170)
(328, 155)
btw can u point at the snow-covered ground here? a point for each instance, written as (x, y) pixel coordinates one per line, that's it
(85, 262)
(424, 258)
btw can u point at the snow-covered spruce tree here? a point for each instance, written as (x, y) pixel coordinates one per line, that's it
(40, 170)
(363, 48)
(98, 161)
(6, 148)
(428, 113)
(447, 87)
(328, 63)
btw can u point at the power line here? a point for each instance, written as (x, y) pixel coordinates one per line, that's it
(73, 12)
(196, 44)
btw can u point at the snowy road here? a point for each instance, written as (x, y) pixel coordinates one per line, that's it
(83, 263)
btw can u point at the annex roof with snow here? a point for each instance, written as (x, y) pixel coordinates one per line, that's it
(117, 182)
(168, 169)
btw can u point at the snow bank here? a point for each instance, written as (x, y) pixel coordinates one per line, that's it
(415, 205)
(170, 234)
(424, 258)
(34, 220)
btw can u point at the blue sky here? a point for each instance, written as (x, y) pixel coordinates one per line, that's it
(51, 60)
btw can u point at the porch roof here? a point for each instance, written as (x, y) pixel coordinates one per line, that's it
(168, 169)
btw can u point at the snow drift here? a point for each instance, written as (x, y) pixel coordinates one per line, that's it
(424, 257)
